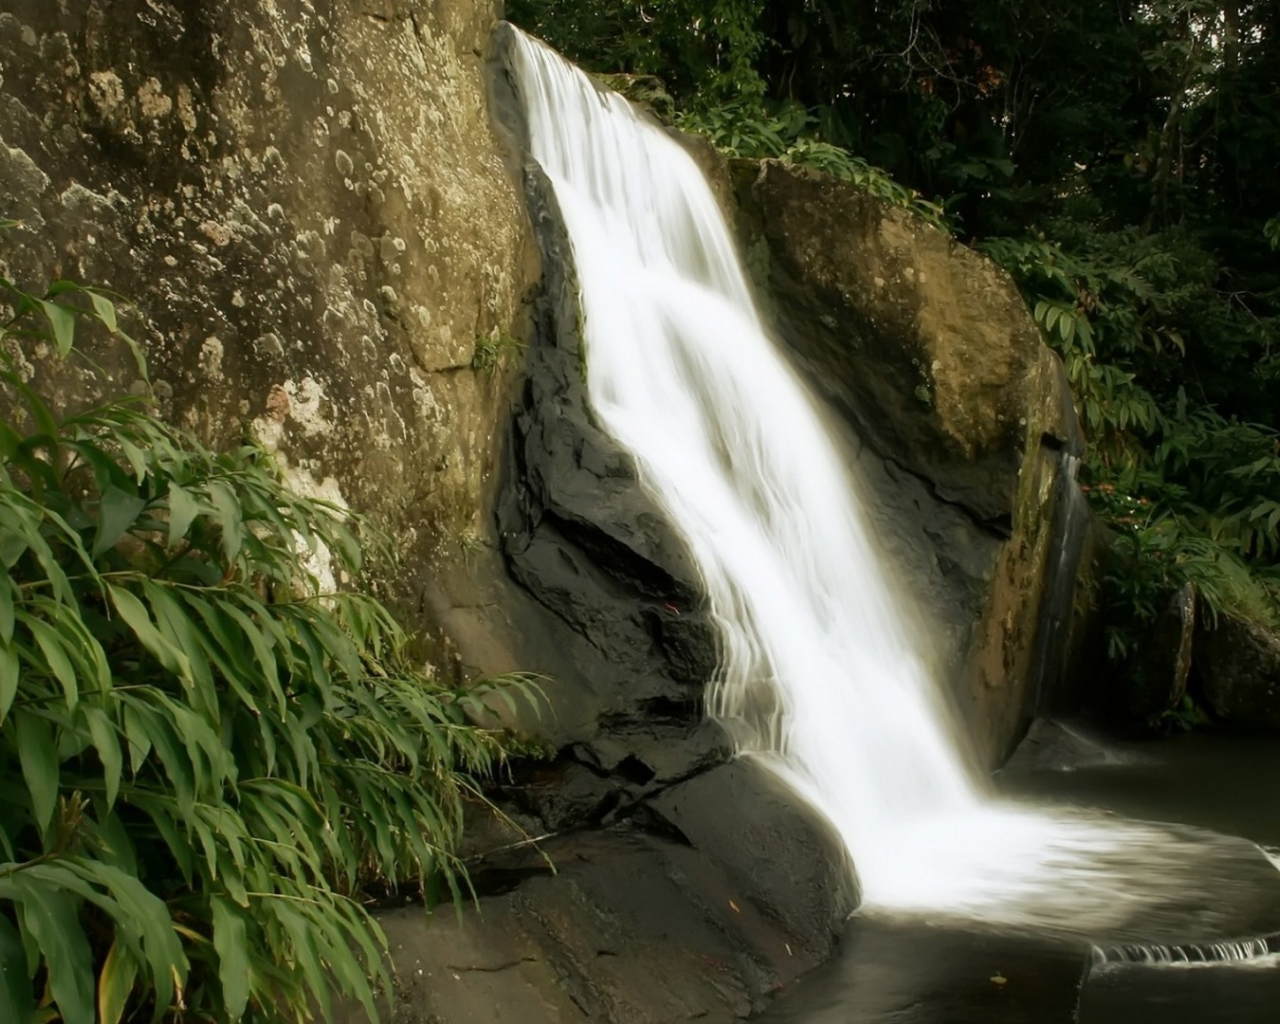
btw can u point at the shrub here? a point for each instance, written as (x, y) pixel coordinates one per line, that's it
(204, 760)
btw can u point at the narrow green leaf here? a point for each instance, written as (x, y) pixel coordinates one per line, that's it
(38, 755)
(135, 615)
(107, 743)
(51, 644)
(8, 593)
(229, 518)
(10, 676)
(183, 510)
(115, 982)
(63, 322)
(117, 512)
(16, 1001)
(52, 917)
(104, 308)
(231, 944)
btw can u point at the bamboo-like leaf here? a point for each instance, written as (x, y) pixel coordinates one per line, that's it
(38, 756)
(117, 513)
(115, 982)
(230, 942)
(63, 322)
(183, 510)
(51, 916)
(10, 678)
(16, 1001)
(107, 744)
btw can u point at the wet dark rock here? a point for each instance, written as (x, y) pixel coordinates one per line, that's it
(1052, 746)
(633, 926)
(1238, 663)
(792, 860)
(1157, 679)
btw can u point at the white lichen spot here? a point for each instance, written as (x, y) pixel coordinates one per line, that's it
(317, 559)
(152, 101)
(211, 358)
(306, 398)
(218, 234)
(186, 109)
(106, 91)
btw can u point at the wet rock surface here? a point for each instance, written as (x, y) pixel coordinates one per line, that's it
(1160, 670)
(638, 923)
(1239, 670)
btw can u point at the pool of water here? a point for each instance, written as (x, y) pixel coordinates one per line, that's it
(932, 970)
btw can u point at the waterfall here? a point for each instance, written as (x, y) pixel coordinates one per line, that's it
(821, 679)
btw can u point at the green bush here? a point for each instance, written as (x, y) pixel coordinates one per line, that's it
(204, 760)
(1192, 494)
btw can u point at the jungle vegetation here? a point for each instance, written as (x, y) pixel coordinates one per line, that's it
(210, 757)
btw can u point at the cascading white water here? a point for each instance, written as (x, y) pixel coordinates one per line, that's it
(821, 676)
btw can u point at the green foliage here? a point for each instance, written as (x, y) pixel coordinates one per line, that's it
(1193, 495)
(742, 129)
(490, 349)
(701, 49)
(206, 758)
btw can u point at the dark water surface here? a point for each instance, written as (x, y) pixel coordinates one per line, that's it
(941, 972)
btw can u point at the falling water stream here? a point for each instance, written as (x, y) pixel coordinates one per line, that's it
(822, 679)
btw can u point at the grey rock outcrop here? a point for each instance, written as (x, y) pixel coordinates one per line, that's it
(1238, 663)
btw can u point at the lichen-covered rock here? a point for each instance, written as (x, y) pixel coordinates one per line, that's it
(1239, 669)
(962, 428)
(308, 205)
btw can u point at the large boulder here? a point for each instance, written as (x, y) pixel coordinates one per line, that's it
(961, 427)
(1238, 662)
(729, 895)
(308, 205)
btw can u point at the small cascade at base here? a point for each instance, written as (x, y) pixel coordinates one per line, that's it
(822, 677)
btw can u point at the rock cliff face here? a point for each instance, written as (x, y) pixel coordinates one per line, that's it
(308, 204)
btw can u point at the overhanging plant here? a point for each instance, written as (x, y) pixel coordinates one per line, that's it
(204, 760)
